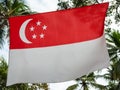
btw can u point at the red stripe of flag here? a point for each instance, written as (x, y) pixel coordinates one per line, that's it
(57, 28)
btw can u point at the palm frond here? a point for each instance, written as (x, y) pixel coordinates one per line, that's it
(96, 85)
(72, 87)
(2, 33)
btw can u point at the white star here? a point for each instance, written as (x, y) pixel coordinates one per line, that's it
(38, 23)
(42, 35)
(44, 27)
(32, 28)
(34, 36)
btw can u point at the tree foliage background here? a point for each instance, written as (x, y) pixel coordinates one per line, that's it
(111, 76)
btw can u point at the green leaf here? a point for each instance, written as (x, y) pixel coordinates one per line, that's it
(73, 87)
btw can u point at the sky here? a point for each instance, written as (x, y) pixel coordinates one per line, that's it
(42, 5)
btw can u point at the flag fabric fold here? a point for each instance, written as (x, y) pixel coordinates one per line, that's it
(57, 46)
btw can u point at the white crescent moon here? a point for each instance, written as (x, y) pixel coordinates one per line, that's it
(22, 31)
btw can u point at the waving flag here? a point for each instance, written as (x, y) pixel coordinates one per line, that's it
(57, 46)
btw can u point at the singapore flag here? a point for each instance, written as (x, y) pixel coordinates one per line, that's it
(57, 46)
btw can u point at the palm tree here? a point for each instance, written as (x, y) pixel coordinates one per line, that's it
(85, 82)
(114, 44)
(113, 74)
(74, 3)
(3, 72)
